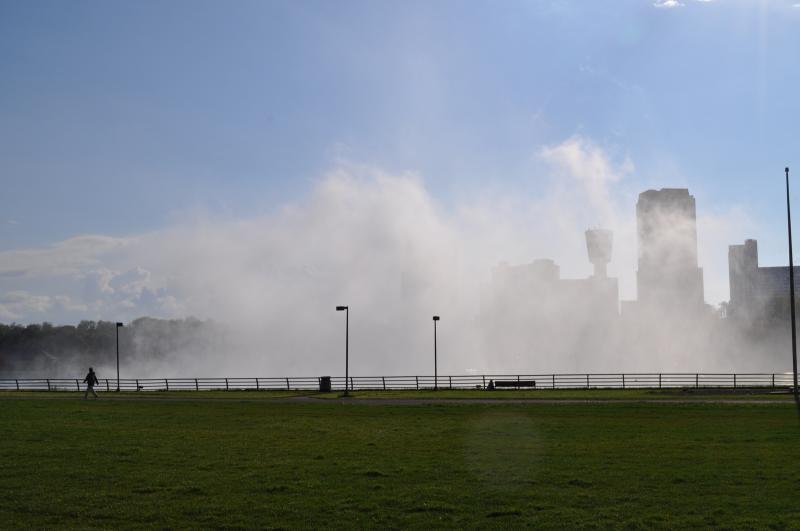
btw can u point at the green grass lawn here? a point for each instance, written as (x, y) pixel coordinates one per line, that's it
(711, 394)
(268, 464)
(573, 394)
(181, 395)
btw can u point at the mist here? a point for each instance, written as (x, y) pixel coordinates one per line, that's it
(380, 243)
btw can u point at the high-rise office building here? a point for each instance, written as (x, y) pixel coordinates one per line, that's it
(753, 288)
(668, 275)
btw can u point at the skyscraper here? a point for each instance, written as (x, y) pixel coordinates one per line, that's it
(668, 274)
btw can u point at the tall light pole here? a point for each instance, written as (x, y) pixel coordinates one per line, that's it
(119, 325)
(435, 368)
(791, 292)
(346, 310)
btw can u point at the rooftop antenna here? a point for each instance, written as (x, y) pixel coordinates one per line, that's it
(791, 293)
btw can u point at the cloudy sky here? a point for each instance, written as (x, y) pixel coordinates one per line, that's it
(192, 157)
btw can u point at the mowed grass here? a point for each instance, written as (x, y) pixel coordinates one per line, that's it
(267, 464)
(594, 394)
(708, 394)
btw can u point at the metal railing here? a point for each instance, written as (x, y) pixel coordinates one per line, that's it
(310, 383)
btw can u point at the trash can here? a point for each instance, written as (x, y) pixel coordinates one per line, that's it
(325, 384)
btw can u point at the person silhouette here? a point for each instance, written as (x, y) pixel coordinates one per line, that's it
(90, 380)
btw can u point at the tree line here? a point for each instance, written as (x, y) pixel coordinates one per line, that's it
(63, 351)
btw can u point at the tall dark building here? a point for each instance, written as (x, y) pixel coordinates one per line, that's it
(668, 275)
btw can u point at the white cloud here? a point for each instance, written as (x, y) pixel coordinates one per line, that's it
(586, 162)
(131, 282)
(23, 305)
(16, 304)
(74, 255)
(98, 282)
(667, 4)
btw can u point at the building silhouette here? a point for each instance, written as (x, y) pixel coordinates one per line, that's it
(538, 286)
(756, 292)
(668, 276)
(532, 311)
(599, 244)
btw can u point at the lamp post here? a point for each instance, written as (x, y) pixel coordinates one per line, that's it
(346, 310)
(435, 367)
(791, 292)
(119, 325)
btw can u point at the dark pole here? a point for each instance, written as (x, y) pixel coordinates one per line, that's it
(346, 310)
(791, 292)
(117, 327)
(435, 365)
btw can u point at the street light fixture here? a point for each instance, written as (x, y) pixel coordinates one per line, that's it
(791, 292)
(346, 310)
(435, 367)
(119, 325)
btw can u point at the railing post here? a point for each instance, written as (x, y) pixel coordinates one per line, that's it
(417, 379)
(587, 381)
(554, 381)
(166, 382)
(138, 387)
(734, 380)
(258, 388)
(17, 382)
(383, 378)
(288, 388)
(773, 380)
(659, 380)
(696, 380)
(106, 384)
(623, 380)
(196, 385)
(451, 382)
(351, 383)
(484, 381)
(226, 384)
(77, 384)
(48, 384)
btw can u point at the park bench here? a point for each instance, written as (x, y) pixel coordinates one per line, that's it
(516, 384)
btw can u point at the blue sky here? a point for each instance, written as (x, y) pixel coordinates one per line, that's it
(119, 119)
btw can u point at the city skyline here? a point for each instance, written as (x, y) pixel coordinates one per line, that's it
(118, 155)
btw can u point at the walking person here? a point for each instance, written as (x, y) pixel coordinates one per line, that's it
(90, 380)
